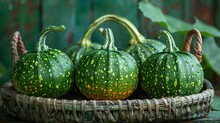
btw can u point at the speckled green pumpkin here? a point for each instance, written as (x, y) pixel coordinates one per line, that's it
(171, 72)
(44, 72)
(76, 51)
(142, 49)
(107, 74)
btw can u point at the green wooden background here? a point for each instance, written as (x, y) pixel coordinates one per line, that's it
(31, 16)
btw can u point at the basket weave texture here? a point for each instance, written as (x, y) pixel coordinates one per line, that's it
(38, 109)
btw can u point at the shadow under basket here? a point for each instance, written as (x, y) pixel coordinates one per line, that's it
(62, 110)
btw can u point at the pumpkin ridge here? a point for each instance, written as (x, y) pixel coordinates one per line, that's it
(100, 55)
(170, 72)
(176, 60)
(185, 70)
(118, 75)
(52, 71)
(62, 67)
(158, 71)
(42, 64)
(80, 67)
(127, 58)
(165, 75)
(107, 60)
(143, 81)
(115, 55)
(185, 77)
(195, 64)
(38, 70)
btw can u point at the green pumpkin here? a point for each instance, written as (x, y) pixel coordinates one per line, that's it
(142, 48)
(76, 51)
(44, 72)
(107, 74)
(171, 72)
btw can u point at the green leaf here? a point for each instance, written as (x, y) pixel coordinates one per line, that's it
(205, 29)
(153, 13)
(177, 25)
(173, 24)
(156, 15)
(210, 52)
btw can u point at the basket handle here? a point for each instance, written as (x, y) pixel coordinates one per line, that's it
(207, 84)
(17, 47)
(136, 37)
(188, 41)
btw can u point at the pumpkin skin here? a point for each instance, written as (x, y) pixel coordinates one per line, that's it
(171, 72)
(107, 74)
(44, 72)
(76, 51)
(141, 50)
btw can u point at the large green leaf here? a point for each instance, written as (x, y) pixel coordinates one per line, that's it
(205, 29)
(156, 15)
(173, 24)
(211, 53)
(177, 25)
(153, 13)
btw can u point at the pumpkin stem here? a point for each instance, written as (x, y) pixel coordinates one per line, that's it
(109, 39)
(41, 46)
(136, 37)
(170, 43)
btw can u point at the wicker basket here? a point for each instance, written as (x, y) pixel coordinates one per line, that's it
(74, 108)
(38, 109)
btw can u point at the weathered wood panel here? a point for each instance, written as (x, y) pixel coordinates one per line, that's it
(17, 15)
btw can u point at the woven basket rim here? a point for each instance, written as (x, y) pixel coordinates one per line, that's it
(208, 90)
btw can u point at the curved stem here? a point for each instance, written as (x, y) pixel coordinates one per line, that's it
(136, 37)
(170, 44)
(41, 46)
(109, 39)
